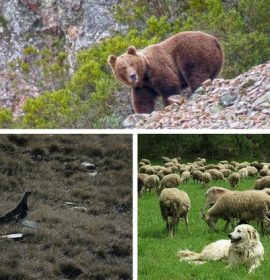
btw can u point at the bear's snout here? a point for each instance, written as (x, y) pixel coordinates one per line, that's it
(133, 77)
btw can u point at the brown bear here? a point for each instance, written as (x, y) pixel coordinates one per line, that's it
(186, 59)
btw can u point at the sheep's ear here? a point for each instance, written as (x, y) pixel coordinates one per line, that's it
(203, 215)
(112, 60)
(132, 50)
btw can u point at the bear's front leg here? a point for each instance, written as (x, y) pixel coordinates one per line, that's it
(167, 91)
(143, 100)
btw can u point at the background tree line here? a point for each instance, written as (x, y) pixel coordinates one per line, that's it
(211, 146)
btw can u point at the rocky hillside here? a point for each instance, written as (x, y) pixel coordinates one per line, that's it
(69, 25)
(239, 103)
(81, 206)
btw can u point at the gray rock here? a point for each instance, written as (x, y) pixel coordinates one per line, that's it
(30, 224)
(79, 208)
(216, 109)
(227, 99)
(247, 83)
(14, 236)
(131, 120)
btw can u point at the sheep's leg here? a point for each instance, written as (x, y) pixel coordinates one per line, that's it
(187, 224)
(262, 227)
(171, 230)
(167, 225)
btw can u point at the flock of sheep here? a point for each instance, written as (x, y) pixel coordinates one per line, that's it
(227, 204)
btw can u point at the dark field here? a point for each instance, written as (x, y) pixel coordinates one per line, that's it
(93, 241)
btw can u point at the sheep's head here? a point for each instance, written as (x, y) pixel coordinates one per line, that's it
(204, 215)
(211, 222)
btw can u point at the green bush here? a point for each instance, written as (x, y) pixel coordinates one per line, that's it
(6, 120)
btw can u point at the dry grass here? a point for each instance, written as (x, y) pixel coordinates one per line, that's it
(69, 244)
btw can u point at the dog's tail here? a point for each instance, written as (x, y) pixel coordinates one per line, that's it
(190, 257)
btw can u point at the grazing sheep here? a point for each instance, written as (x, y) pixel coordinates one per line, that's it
(175, 160)
(226, 172)
(141, 163)
(174, 205)
(243, 173)
(165, 159)
(229, 166)
(174, 169)
(234, 163)
(245, 205)
(265, 171)
(169, 164)
(252, 171)
(211, 166)
(141, 177)
(146, 161)
(258, 165)
(170, 181)
(212, 195)
(200, 162)
(262, 183)
(185, 176)
(163, 171)
(147, 169)
(234, 179)
(243, 165)
(206, 178)
(201, 168)
(197, 175)
(216, 174)
(266, 190)
(151, 182)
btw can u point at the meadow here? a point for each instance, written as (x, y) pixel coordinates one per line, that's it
(157, 252)
(84, 221)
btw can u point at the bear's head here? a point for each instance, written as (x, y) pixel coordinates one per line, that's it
(129, 68)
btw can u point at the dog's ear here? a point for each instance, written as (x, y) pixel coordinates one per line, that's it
(249, 234)
(254, 234)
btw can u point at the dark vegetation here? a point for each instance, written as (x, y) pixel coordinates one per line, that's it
(214, 147)
(91, 242)
(93, 99)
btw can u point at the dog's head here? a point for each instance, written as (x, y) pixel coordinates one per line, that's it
(244, 233)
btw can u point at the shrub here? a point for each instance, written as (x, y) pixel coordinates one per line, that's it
(6, 119)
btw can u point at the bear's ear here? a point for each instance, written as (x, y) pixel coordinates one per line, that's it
(111, 60)
(132, 50)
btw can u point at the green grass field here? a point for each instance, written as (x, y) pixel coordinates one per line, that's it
(157, 252)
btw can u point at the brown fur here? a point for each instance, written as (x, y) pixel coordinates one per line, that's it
(183, 60)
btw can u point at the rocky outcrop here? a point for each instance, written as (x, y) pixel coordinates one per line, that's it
(75, 23)
(239, 103)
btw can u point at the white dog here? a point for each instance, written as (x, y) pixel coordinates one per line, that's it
(244, 247)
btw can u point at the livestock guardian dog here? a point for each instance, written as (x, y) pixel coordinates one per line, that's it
(243, 248)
